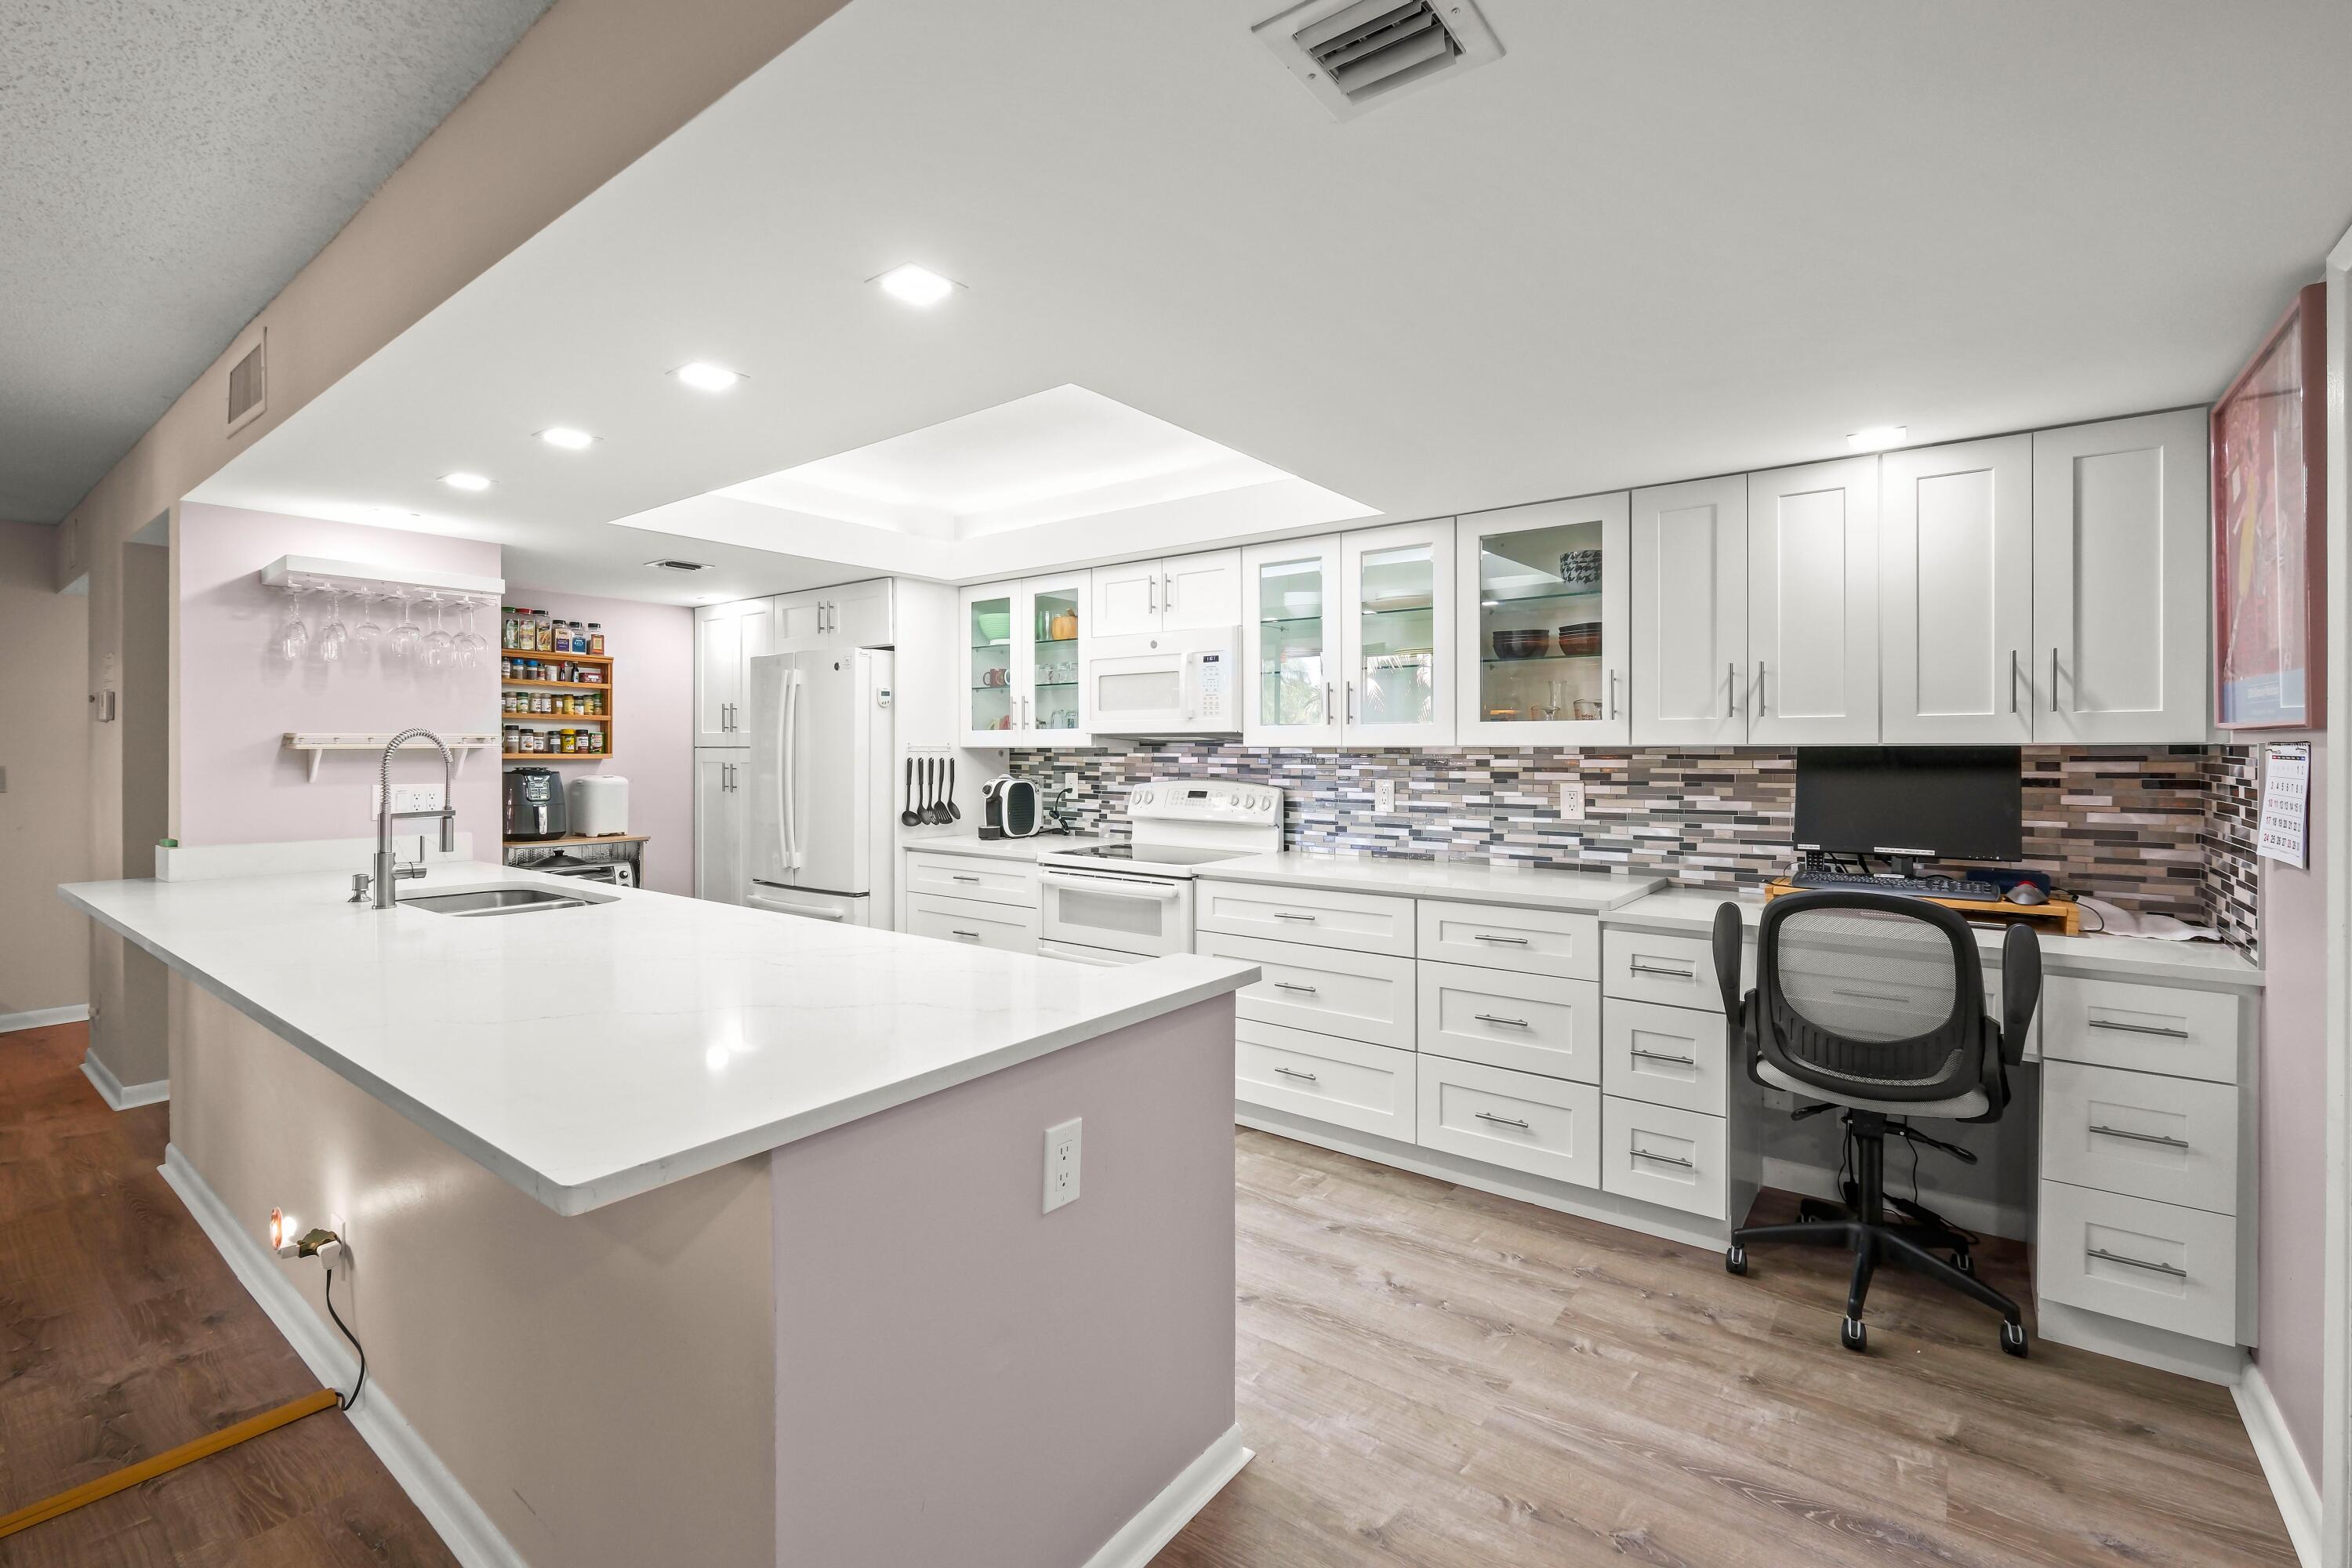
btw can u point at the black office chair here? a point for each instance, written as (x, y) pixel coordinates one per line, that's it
(1875, 1002)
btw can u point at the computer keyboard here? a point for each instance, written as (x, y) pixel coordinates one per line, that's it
(1921, 887)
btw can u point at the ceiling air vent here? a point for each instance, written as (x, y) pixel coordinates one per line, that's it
(248, 385)
(1354, 54)
(681, 565)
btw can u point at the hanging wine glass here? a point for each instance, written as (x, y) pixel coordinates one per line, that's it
(471, 644)
(293, 637)
(437, 640)
(334, 634)
(367, 631)
(404, 636)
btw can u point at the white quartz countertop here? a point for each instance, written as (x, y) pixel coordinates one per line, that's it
(1469, 881)
(1026, 849)
(588, 1054)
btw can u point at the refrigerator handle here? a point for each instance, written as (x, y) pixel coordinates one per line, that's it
(788, 811)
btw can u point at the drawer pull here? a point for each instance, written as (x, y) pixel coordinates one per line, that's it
(2102, 1253)
(2139, 1028)
(1503, 1120)
(1287, 915)
(2141, 1136)
(1289, 985)
(1663, 1056)
(961, 878)
(1294, 1072)
(1663, 1159)
(1505, 941)
(1498, 1018)
(1638, 967)
(967, 936)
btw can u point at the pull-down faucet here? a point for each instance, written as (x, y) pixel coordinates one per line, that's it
(389, 872)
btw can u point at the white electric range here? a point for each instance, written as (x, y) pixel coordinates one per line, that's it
(1122, 903)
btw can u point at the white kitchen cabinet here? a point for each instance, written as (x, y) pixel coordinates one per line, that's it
(852, 615)
(1956, 592)
(1812, 603)
(1543, 656)
(1396, 632)
(1178, 593)
(2122, 607)
(719, 865)
(727, 637)
(1024, 672)
(1290, 595)
(1689, 623)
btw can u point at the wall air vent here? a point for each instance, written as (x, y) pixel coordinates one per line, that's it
(248, 385)
(681, 565)
(1354, 54)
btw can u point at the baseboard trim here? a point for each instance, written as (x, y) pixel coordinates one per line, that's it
(463, 1527)
(1976, 1215)
(2160, 1348)
(117, 1095)
(43, 1017)
(2291, 1484)
(1139, 1541)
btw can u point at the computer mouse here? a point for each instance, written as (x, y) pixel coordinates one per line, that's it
(2026, 893)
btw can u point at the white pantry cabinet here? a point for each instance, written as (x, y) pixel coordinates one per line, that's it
(1542, 658)
(2122, 607)
(1180, 592)
(1023, 670)
(1812, 603)
(1689, 630)
(1956, 592)
(727, 637)
(1396, 632)
(719, 824)
(1290, 597)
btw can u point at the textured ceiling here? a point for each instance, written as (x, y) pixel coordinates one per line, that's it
(165, 166)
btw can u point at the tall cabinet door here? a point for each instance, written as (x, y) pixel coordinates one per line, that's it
(988, 663)
(719, 842)
(1200, 593)
(1396, 611)
(1290, 596)
(726, 637)
(1054, 611)
(1542, 657)
(1813, 604)
(1956, 592)
(1690, 620)
(2121, 601)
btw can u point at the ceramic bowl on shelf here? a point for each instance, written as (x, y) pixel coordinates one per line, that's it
(1522, 645)
(1581, 641)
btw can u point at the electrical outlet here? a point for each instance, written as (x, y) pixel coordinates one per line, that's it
(1062, 1163)
(406, 797)
(1571, 801)
(1384, 796)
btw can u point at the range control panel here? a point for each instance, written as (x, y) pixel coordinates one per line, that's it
(1178, 800)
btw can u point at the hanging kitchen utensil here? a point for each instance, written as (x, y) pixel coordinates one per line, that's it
(910, 816)
(955, 812)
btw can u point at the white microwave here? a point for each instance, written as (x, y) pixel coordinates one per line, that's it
(1166, 683)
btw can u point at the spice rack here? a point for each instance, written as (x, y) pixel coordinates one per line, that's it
(600, 690)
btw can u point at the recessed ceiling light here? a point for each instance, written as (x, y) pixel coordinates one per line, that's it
(464, 481)
(1879, 438)
(568, 438)
(916, 285)
(704, 377)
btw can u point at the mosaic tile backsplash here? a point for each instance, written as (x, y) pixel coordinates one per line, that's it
(2162, 829)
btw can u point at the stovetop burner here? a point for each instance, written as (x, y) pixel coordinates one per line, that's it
(1168, 855)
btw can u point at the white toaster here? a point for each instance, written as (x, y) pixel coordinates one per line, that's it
(600, 806)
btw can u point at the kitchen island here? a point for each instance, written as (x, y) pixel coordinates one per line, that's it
(681, 1232)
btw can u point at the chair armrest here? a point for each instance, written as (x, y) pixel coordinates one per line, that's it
(2021, 990)
(1728, 938)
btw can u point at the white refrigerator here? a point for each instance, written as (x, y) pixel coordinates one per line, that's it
(821, 812)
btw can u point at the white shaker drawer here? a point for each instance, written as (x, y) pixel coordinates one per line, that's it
(1663, 1155)
(1534, 941)
(2171, 1138)
(1678, 970)
(1529, 1022)
(968, 877)
(2146, 1029)
(2143, 1261)
(1344, 1082)
(1666, 1056)
(1360, 922)
(1544, 1126)
(1332, 990)
(973, 923)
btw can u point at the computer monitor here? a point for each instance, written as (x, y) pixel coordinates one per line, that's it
(1910, 803)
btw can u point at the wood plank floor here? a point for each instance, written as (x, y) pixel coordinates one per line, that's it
(1435, 1377)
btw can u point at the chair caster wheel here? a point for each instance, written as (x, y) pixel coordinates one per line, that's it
(1965, 1262)
(1854, 1337)
(1735, 1261)
(2012, 1339)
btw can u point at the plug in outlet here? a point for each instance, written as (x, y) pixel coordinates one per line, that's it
(1062, 1164)
(1384, 796)
(1571, 801)
(406, 797)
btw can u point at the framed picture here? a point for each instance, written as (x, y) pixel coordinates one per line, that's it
(2270, 623)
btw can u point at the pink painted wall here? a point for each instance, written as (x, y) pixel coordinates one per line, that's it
(2293, 1173)
(238, 784)
(652, 705)
(1004, 1388)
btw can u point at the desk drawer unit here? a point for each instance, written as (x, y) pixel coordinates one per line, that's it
(1529, 1022)
(1360, 922)
(1544, 1126)
(2135, 1259)
(969, 876)
(1333, 991)
(973, 923)
(1678, 970)
(2171, 1138)
(2144, 1028)
(1344, 1082)
(1663, 1155)
(1666, 1056)
(1533, 942)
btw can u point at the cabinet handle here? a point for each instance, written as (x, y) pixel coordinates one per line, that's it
(1504, 941)
(1168, 596)
(1328, 703)
(1294, 1072)
(1498, 1018)
(1731, 689)
(2012, 680)
(1613, 694)
(1287, 986)
(961, 878)
(1662, 1159)
(2139, 1029)
(2103, 1254)
(2054, 678)
(1503, 1120)
(2141, 1136)
(1638, 967)
(1351, 702)
(1760, 688)
(1151, 592)
(967, 936)
(1287, 915)
(1662, 1056)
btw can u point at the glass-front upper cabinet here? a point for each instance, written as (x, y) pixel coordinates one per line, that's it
(1023, 662)
(1543, 654)
(1289, 627)
(1396, 634)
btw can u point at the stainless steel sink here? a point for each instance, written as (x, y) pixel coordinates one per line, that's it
(499, 902)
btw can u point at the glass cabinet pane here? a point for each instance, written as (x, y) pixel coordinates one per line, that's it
(990, 633)
(1398, 636)
(1291, 672)
(1054, 702)
(1539, 642)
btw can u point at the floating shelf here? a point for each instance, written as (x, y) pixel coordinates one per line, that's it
(365, 576)
(317, 745)
(555, 756)
(557, 685)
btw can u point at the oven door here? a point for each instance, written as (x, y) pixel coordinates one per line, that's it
(1145, 916)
